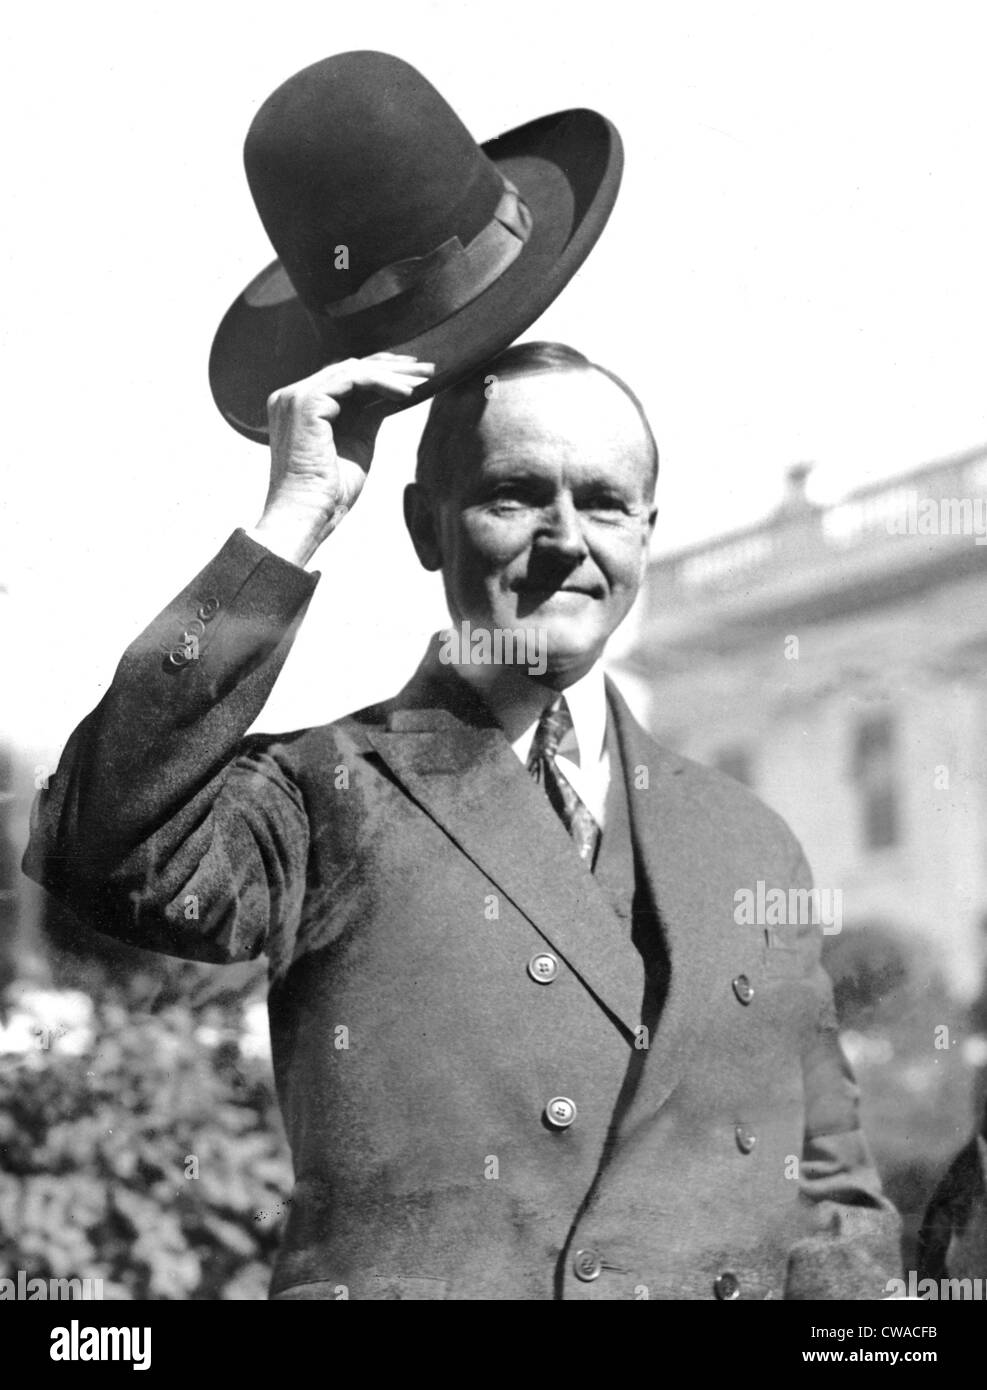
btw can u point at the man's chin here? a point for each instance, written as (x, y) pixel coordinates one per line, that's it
(567, 651)
(556, 647)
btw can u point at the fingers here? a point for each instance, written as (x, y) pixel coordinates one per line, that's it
(390, 368)
(394, 375)
(390, 376)
(395, 381)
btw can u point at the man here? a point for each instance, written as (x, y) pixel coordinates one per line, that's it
(522, 1047)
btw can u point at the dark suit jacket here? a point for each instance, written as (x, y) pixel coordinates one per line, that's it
(400, 869)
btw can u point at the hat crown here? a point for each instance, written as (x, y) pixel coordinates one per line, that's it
(359, 151)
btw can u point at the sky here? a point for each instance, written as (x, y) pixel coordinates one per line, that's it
(794, 270)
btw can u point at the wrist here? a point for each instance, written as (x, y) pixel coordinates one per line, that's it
(293, 532)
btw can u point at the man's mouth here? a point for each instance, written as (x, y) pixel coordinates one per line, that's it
(558, 599)
(549, 590)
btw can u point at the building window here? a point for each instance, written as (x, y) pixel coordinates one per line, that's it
(736, 763)
(875, 773)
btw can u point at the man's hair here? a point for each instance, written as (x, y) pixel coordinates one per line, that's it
(456, 412)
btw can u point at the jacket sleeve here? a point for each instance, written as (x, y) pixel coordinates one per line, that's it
(852, 1248)
(163, 825)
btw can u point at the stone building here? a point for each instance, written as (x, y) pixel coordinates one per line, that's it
(835, 658)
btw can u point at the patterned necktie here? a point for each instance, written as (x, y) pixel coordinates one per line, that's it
(553, 726)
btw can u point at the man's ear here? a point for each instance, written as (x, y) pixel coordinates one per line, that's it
(419, 517)
(646, 547)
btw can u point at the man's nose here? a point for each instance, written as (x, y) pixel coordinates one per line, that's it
(561, 529)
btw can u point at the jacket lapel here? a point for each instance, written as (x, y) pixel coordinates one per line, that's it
(456, 763)
(685, 896)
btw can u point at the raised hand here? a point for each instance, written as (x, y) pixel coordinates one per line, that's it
(323, 430)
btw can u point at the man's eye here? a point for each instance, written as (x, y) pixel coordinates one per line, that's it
(509, 497)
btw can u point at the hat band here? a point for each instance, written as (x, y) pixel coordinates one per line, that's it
(413, 295)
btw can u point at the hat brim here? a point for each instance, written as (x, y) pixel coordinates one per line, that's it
(566, 167)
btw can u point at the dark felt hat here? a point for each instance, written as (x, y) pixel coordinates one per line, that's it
(396, 231)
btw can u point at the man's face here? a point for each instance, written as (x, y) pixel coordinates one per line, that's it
(547, 521)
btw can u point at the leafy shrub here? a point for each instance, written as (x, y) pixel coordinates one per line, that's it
(143, 1149)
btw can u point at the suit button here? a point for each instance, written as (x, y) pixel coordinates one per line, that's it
(560, 1112)
(587, 1265)
(543, 968)
(208, 608)
(743, 989)
(727, 1287)
(746, 1138)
